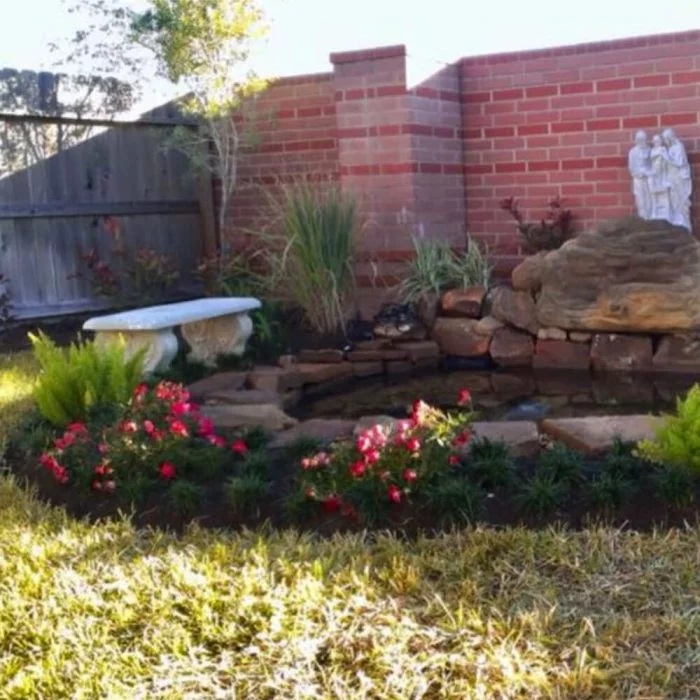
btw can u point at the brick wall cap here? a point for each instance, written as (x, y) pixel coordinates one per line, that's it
(368, 54)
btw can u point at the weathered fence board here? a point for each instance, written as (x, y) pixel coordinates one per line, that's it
(68, 185)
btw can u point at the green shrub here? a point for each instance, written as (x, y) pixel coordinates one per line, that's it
(491, 463)
(311, 251)
(185, 497)
(609, 490)
(561, 463)
(675, 484)
(456, 500)
(245, 493)
(677, 440)
(435, 267)
(541, 494)
(72, 381)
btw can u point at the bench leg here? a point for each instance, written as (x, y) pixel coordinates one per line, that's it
(161, 346)
(224, 335)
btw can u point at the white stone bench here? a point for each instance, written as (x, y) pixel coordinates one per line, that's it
(211, 327)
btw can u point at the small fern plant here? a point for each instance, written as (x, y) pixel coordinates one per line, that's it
(677, 440)
(74, 380)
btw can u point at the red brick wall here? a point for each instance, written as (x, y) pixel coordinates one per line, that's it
(436, 159)
(561, 121)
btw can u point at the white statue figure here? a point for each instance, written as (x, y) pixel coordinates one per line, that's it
(640, 169)
(661, 179)
(659, 188)
(679, 179)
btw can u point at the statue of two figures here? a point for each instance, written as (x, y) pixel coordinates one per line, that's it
(661, 180)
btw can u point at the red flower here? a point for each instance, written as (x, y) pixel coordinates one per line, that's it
(167, 470)
(464, 397)
(100, 469)
(371, 456)
(76, 427)
(139, 390)
(239, 447)
(357, 469)
(177, 427)
(331, 503)
(461, 438)
(110, 486)
(306, 463)
(394, 493)
(384, 475)
(310, 492)
(148, 427)
(419, 412)
(60, 474)
(48, 461)
(409, 474)
(66, 440)
(128, 426)
(413, 444)
(216, 440)
(205, 426)
(180, 408)
(347, 510)
(96, 485)
(102, 448)
(453, 459)
(363, 443)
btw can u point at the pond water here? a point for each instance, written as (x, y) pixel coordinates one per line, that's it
(503, 395)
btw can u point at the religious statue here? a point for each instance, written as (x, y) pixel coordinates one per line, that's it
(661, 179)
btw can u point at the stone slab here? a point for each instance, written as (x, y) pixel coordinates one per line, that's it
(325, 356)
(243, 397)
(561, 354)
(323, 429)
(316, 373)
(221, 381)
(514, 308)
(394, 353)
(619, 353)
(275, 379)
(267, 416)
(522, 437)
(152, 318)
(368, 369)
(597, 433)
(419, 350)
(679, 354)
(458, 337)
(511, 348)
(463, 302)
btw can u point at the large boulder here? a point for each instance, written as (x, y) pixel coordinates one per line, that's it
(459, 336)
(626, 275)
(515, 308)
(511, 348)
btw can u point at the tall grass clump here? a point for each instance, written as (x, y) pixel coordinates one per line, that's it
(312, 251)
(435, 267)
(72, 380)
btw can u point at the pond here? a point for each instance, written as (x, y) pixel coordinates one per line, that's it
(501, 395)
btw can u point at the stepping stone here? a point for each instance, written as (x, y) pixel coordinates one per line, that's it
(323, 429)
(243, 397)
(328, 355)
(267, 416)
(223, 381)
(522, 437)
(317, 373)
(598, 433)
(275, 379)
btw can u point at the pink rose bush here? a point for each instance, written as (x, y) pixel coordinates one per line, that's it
(385, 465)
(159, 438)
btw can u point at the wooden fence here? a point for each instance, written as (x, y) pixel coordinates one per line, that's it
(69, 184)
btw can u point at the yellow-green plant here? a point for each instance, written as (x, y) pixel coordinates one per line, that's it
(312, 251)
(72, 380)
(677, 440)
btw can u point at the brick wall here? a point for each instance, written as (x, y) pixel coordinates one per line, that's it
(436, 159)
(561, 121)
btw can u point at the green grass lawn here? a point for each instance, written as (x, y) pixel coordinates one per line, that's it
(110, 611)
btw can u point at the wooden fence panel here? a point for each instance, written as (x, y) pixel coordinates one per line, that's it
(62, 195)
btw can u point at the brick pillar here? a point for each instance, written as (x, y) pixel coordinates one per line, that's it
(376, 161)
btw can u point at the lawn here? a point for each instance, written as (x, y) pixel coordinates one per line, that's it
(109, 611)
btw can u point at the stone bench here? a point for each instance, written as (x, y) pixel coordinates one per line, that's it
(211, 327)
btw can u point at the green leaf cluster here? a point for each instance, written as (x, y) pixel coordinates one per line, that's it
(73, 380)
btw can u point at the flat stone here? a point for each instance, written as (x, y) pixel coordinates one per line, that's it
(627, 275)
(267, 416)
(312, 373)
(561, 354)
(514, 308)
(551, 334)
(325, 356)
(368, 369)
(277, 379)
(457, 336)
(598, 433)
(394, 367)
(368, 355)
(325, 430)
(463, 302)
(243, 397)
(222, 381)
(420, 350)
(613, 352)
(378, 344)
(366, 422)
(678, 354)
(527, 276)
(522, 437)
(511, 348)
(580, 337)
(487, 326)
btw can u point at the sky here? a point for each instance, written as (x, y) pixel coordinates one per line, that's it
(304, 32)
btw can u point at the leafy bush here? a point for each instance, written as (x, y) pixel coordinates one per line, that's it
(491, 463)
(562, 464)
(435, 267)
(245, 493)
(677, 440)
(609, 490)
(456, 500)
(73, 381)
(541, 494)
(549, 233)
(158, 438)
(385, 467)
(311, 251)
(675, 484)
